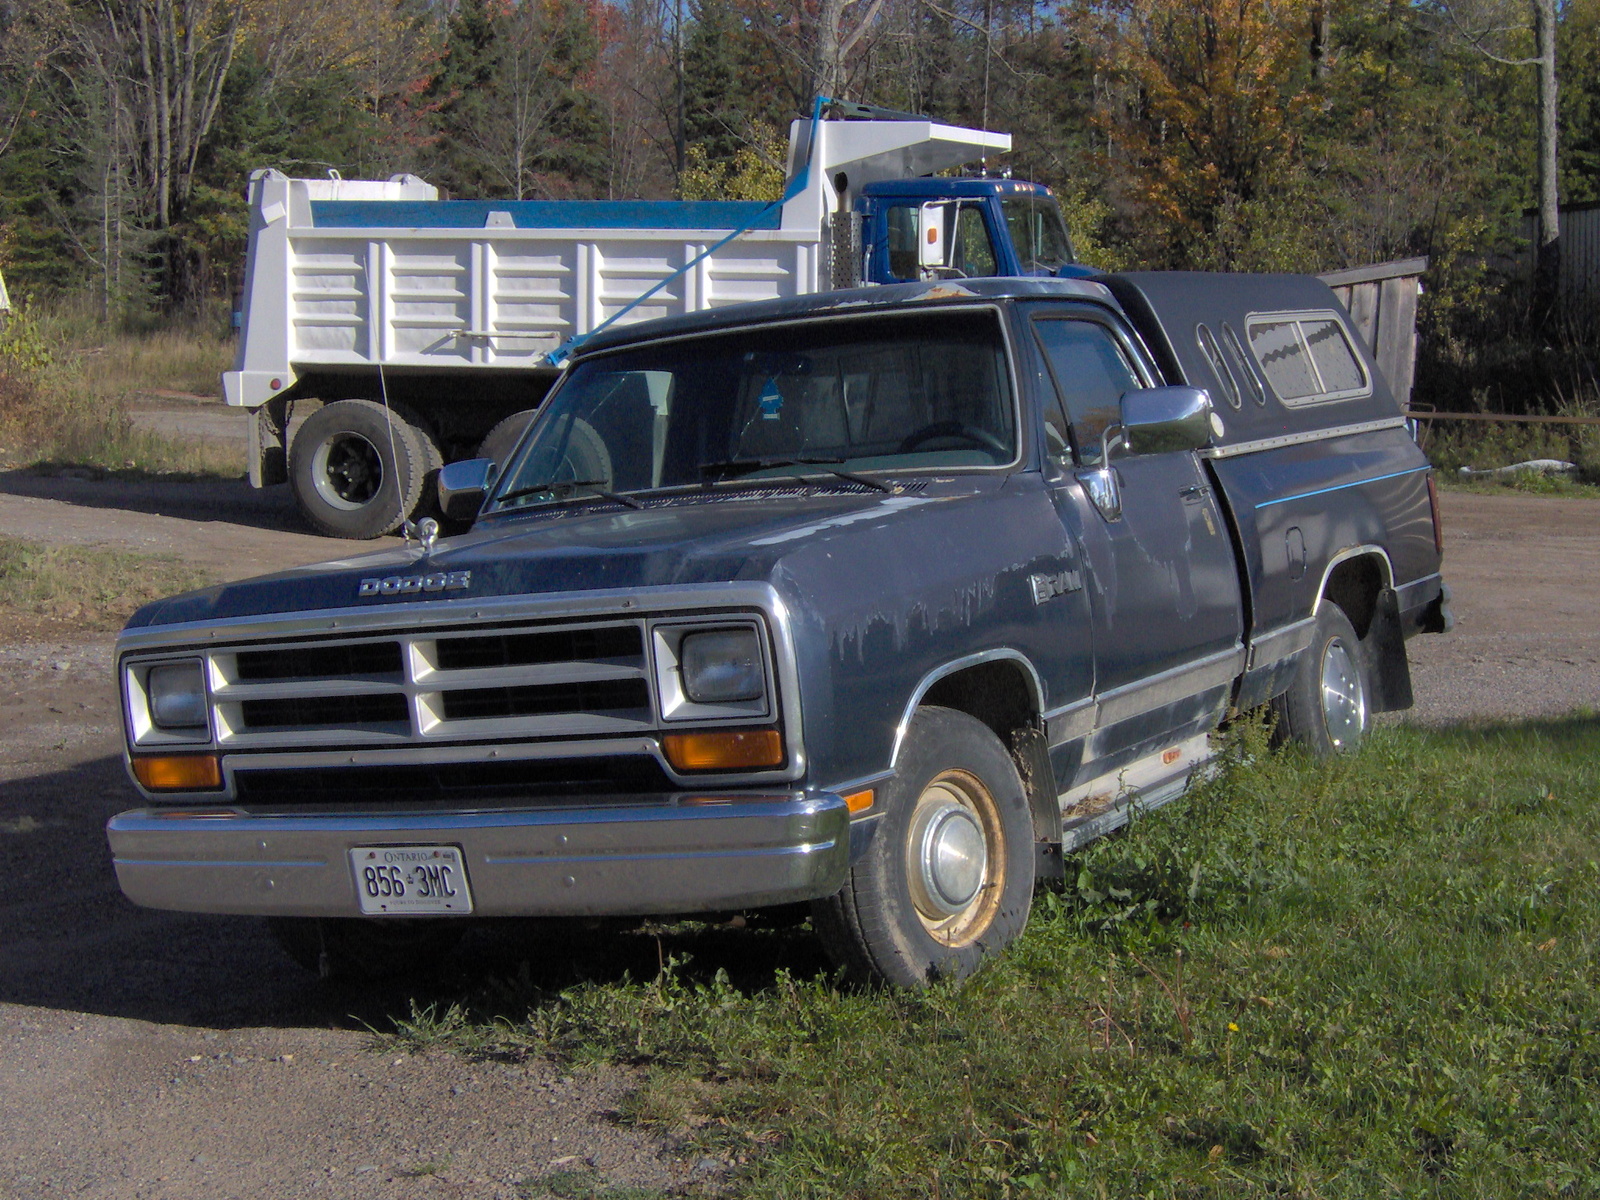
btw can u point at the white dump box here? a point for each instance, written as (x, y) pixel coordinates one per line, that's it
(344, 275)
(448, 312)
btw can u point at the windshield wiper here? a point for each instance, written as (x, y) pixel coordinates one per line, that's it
(737, 468)
(564, 489)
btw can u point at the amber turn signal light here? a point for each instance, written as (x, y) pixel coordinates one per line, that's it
(179, 773)
(858, 802)
(724, 750)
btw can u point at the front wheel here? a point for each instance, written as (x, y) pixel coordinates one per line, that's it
(1326, 708)
(948, 879)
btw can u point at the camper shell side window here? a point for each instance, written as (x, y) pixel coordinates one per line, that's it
(1307, 357)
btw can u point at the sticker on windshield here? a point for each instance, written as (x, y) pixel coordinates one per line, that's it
(771, 401)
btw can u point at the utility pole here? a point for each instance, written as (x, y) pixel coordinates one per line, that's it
(1547, 260)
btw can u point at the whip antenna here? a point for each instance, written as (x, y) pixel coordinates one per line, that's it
(394, 454)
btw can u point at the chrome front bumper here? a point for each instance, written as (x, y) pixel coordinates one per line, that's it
(675, 854)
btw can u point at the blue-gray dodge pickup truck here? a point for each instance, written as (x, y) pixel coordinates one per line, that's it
(880, 599)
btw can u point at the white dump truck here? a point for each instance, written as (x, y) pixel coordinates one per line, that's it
(392, 331)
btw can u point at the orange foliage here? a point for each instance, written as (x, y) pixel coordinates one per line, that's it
(1213, 88)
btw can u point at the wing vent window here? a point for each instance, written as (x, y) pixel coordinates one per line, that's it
(1219, 369)
(1240, 362)
(1307, 357)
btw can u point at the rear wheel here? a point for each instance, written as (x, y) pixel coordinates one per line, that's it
(500, 441)
(352, 949)
(356, 470)
(1327, 709)
(427, 458)
(948, 879)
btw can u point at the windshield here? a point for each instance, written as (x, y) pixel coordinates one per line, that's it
(865, 394)
(1037, 232)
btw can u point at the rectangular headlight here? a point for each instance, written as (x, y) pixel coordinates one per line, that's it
(177, 696)
(722, 666)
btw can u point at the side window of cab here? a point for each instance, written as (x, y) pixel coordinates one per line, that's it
(968, 250)
(1092, 372)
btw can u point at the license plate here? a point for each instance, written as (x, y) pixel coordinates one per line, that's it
(410, 880)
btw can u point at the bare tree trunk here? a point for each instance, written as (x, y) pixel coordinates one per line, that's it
(1320, 36)
(832, 43)
(825, 54)
(1547, 263)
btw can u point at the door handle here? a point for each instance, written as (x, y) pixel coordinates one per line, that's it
(1194, 492)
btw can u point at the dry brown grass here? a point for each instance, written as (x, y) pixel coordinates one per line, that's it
(67, 391)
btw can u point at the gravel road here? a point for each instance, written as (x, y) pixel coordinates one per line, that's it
(148, 1054)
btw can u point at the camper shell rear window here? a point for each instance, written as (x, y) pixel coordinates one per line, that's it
(1307, 357)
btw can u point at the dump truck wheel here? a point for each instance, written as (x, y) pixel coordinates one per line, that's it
(500, 441)
(428, 459)
(355, 469)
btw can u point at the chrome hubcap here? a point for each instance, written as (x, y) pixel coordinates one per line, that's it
(1344, 701)
(950, 855)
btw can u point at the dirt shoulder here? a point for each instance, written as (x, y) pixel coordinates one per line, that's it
(147, 1054)
(1525, 576)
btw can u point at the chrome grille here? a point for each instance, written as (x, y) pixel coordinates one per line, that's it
(523, 682)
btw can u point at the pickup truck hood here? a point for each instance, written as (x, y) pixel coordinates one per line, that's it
(733, 535)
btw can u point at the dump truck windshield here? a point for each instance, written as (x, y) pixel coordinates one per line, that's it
(1037, 232)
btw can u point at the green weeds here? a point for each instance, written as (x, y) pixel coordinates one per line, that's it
(1485, 445)
(88, 585)
(1373, 977)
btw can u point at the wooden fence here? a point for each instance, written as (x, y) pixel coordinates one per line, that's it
(1382, 302)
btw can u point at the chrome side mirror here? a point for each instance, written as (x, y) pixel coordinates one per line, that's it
(1164, 419)
(463, 485)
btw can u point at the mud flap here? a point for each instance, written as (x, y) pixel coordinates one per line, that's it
(1385, 647)
(1031, 752)
(269, 456)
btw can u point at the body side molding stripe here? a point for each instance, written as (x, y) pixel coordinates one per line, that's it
(1298, 439)
(1339, 487)
(1133, 699)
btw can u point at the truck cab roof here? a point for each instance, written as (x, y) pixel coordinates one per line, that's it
(893, 297)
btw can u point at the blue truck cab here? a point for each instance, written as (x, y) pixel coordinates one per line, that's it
(883, 599)
(980, 226)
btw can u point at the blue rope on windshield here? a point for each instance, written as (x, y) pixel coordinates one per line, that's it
(798, 184)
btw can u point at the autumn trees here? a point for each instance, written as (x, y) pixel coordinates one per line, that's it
(1295, 134)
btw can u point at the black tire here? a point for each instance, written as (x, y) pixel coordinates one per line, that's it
(500, 441)
(908, 915)
(355, 950)
(354, 474)
(428, 459)
(1328, 707)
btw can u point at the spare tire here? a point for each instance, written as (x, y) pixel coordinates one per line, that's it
(355, 469)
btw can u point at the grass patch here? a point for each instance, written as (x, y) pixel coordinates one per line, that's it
(67, 389)
(87, 585)
(1375, 977)
(1485, 445)
(1527, 483)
